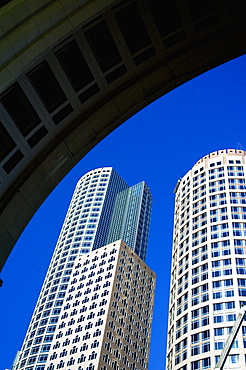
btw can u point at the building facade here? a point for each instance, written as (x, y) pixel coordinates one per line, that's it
(106, 321)
(130, 219)
(208, 276)
(86, 228)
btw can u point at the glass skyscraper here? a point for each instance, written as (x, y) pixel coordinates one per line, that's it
(87, 227)
(208, 275)
(130, 220)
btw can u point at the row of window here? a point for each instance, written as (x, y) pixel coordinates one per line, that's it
(206, 363)
(46, 313)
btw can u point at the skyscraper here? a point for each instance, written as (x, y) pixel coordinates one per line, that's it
(130, 219)
(86, 228)
(106, 321)
(208, 284)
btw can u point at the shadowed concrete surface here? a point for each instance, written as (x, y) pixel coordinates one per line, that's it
(73, 70)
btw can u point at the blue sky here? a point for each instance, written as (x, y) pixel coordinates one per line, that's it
(158, 145)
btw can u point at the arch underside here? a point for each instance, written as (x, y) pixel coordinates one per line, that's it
(72, 72)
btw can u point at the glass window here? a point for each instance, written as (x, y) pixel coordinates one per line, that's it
(231, 317)
(217, 295)
(216, 284)
(195, 365)
(205, 321)
(229, 293)
(195, 350)
(206, 363)
(218, 318)
(205, 347)
(219, 345)
(228, 282)
(218, 331)
(233, 359)
(229, 305)
(195, 338)
(205, 335)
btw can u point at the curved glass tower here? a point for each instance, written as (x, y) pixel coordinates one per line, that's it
(208, 277)
(86, 228)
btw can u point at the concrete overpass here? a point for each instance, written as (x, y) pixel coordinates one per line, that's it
(74, 70)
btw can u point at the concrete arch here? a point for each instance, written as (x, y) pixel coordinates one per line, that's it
(73, 71)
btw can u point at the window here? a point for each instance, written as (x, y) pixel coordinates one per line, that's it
(81, 358)
(233, 359)
(90, 367)
(216, 284)
(71, 361)
(60, 365)
(63, 353)
(101, 312)
(93, 355)
(219, 345)
(206, 363)
(229, 305)
(205, 335)
(42, 358)
(84, 347)
(218, 318)
(195, 350)
(217, 295)
(195, 365)
(95, 344)
(97, 333)
(195, 338)
(205, 347)
(86, 336)
(228, 282)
